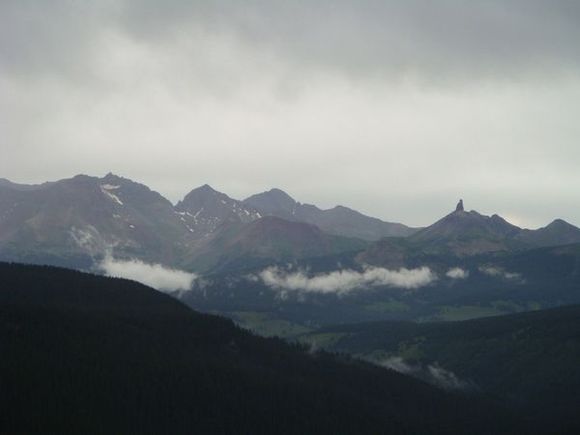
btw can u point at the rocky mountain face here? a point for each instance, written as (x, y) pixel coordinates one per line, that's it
(89, 216)
(339, 220)
(204, 210)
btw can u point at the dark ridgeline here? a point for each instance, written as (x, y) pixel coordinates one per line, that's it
(88, 354)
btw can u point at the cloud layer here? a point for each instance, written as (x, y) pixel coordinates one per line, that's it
(153, 275)
(411, 94)
(345, 281)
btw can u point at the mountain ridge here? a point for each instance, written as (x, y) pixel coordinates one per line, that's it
(339, 220)
(464, 233)
(76, 221)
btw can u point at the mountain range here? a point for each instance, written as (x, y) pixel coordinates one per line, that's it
(70, 221)
(79, 220)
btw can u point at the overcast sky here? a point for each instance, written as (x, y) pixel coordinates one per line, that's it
(395, 108)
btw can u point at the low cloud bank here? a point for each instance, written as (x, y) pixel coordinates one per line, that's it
(345, 281)
(153, 275)
(432, 373)
(499, 273)
(457, 273)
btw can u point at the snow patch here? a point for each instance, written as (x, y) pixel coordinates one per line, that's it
(109, 186)
(106, 189)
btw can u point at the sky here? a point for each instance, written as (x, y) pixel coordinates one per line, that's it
(394, 108)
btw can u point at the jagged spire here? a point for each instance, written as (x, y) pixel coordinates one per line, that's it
(459, 206)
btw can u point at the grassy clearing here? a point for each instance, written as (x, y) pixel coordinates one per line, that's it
(466, 312)
(324, 340)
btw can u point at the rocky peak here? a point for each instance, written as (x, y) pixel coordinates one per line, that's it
(273, 202)
(459, 206)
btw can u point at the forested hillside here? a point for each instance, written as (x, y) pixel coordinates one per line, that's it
(88, 354)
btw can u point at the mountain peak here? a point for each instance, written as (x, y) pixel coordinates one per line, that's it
(467, 233)
(274, 201)
(204, 191)
(113, 178)
(559, 223)
(280, 195)
(204, 209)
(205, 188)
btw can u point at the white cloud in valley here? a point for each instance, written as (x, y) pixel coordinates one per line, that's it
(499, 272)
(457, 273)
(153, 275)
(433, 373)
(347, 280)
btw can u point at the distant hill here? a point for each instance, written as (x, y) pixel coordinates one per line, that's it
(529, 360)
(88, 354)
(339, 220)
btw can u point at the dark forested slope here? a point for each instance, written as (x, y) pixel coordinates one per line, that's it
(88, 354)
(528, 360)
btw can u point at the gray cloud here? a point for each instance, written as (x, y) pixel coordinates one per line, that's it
(432, 40)
(345, 281)
(435, 100)
(154, 275)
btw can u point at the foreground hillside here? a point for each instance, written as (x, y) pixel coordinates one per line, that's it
(529, 360)
(87, 354)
